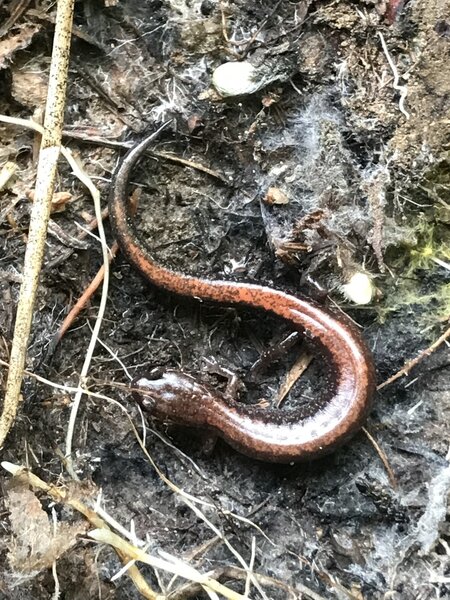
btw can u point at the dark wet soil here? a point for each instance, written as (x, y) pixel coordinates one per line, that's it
(363, 163)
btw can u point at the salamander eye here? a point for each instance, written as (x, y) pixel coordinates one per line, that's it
(146, 401)
(155, 373)
(142, 393)
(143, 383)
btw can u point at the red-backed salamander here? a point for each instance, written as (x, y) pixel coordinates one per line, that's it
(267, 434)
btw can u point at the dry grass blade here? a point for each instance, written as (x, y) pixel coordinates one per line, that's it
(173, 565)
(191, 590)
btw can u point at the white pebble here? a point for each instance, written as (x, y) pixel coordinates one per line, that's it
(236, 79)
(359, 289)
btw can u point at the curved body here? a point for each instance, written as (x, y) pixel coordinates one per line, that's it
(268, 434)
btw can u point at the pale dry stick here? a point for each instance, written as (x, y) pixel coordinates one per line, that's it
(129, 535)
(119, 574)
(27, 123)
(441, 263)
(63, 496)
(174, 559)
(40, 214)
(172, 566)
(403, 89)
(57, 591)
(115, 355)
(83, 177)
(8, 171)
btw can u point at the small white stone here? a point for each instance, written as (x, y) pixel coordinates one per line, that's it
(359, 289)
(236, 79)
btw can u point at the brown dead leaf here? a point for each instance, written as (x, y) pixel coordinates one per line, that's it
(16, 42)
(29, 85)
(276, 196)
(59, 200)
(36, 541)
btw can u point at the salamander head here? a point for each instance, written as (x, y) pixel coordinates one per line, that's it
(171, 395)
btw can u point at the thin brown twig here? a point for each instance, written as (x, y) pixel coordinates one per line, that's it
(82, 302)
(300, 365)
(383, 457)
(66, 253)
(403, 372)
(415, 361)
(115, 145)
(190, 163)
(90, 290)
(167, 562)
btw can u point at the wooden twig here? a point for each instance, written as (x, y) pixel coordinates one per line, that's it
(81, 303)
(99, 220)
(383, 457)
(90, 290)
(413, 362)
(45, 181)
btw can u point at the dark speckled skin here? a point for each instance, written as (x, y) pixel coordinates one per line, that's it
(271, 435)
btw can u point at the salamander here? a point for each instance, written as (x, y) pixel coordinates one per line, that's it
(273, 435)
